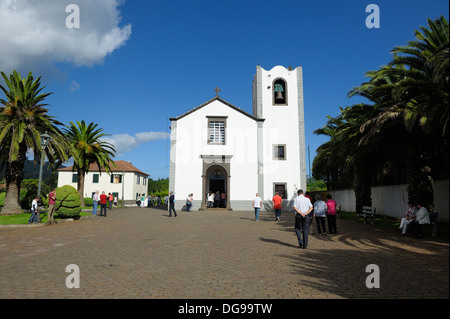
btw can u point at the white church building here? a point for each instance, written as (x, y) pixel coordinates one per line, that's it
(219, 147)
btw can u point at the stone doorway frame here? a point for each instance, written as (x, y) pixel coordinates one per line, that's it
(211, 163)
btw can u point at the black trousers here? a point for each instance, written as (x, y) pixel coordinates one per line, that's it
(302, 229)
(172, 208)
(320, 223)
(332, 224)
(103, 208)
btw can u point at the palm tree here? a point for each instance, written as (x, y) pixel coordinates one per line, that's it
(23, 118)
(348, 162)
(412, 92)
(88, 149)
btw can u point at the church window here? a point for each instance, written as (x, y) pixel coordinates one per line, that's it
(216, 130)
(279, 152)
(280, 188)
(279, 92)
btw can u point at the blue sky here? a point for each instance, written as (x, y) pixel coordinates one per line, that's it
(159, 59)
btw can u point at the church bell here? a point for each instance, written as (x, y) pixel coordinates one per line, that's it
(279, 89)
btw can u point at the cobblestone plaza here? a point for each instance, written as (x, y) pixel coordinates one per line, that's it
(143, 253)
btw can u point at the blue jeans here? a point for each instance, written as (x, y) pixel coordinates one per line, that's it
(257, 209)
(302, 229)
(33, 218)
(94, 208)
(277, 213)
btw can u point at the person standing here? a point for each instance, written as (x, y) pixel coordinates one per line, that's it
(103, 200)
(110, 200)
(158, 201)
(223, 200)
(217, 200)
(210, 200)
(320, 209)
(189, 201)
(34, 211)
(331, 215)
(51, 206)
(95, 200)
(257, 205)
(302, 207)
(172, 204)
(277, 205)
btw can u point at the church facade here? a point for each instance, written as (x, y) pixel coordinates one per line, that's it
(217, 147)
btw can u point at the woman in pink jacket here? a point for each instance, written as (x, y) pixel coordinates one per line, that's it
(331, 215)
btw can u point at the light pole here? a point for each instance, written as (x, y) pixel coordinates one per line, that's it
(45, 138)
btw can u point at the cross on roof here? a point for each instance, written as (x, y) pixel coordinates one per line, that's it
(217, 91)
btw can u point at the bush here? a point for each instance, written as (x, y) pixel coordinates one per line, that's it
(68, 202)
(2, 199)
(88, 201)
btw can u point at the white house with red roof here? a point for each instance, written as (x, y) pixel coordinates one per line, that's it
(126, 182)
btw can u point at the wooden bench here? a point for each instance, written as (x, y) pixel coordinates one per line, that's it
(368, 211)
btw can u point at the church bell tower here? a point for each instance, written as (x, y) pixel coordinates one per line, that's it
(278, 99)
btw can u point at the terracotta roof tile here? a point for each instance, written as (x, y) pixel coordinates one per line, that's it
(120, 167)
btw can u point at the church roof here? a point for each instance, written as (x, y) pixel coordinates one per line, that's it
(216, 98)
(121, 166)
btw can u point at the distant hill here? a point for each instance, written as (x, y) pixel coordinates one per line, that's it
(31, 171)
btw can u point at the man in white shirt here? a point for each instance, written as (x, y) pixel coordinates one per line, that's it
(257, 205)
(95, 200)
(302, 207)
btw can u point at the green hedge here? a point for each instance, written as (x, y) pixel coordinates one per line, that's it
(68, 203)
(88, 201)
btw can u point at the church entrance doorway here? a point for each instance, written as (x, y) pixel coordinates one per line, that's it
(216, 182)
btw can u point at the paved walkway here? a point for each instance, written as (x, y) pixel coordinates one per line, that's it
(142, 253)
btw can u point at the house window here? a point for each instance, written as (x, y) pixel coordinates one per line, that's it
(95, 178)
(74, 178)
(216, 130)
(279, 92)
(280, 188)
(138, 179)
(116, 178)
(279, 152)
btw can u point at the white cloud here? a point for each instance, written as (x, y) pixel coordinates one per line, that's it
(74, 86)
(125, 142)
(34, 35)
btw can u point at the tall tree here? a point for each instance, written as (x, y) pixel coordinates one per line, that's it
(23, 118)
(89, 148)
(412, 92)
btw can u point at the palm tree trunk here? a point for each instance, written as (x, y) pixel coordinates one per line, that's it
(14, 177)
(80, 184)
(362, 187)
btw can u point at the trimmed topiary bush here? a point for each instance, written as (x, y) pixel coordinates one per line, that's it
(68, 203)
(88, 201)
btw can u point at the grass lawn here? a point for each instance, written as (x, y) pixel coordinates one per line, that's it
(22, 219)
